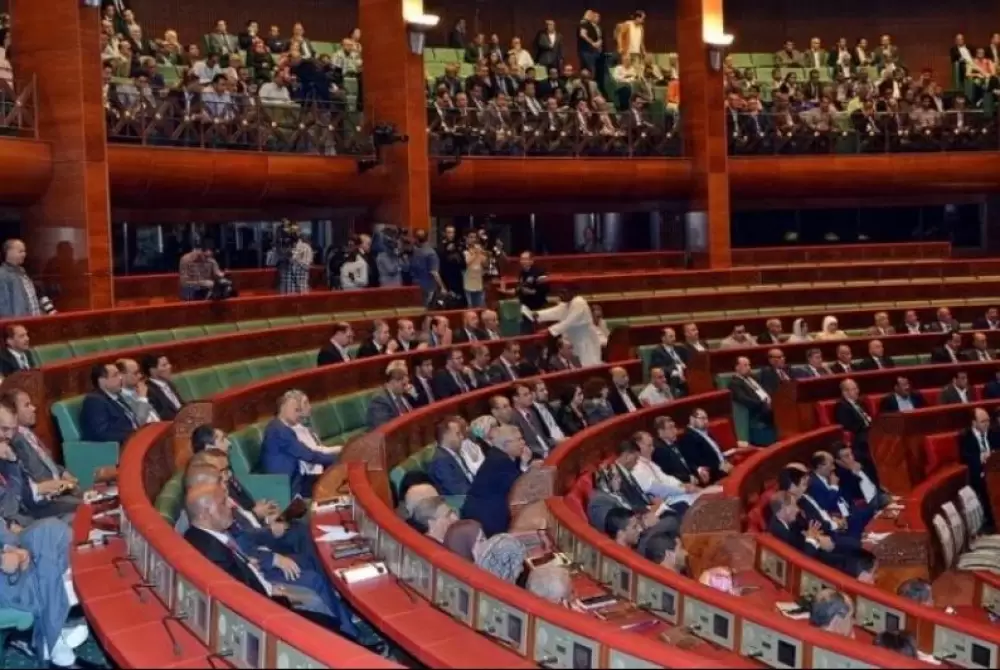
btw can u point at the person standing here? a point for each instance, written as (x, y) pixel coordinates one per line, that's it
(574, 322)
(295, 275)
(475, 267)
(425, 267)
(18, 296)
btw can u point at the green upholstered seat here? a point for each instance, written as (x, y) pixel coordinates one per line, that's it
(352, 410)
(284, 321)
(509, 315)
(234, 374)
(67, 415)
(316, 318)
(220, 329)
(326, 421)
(124, 341)
(201, 384)
(170, 500)
(245, 449)
(188, 332)
(646, 356)
(87, 347)
(262, 368)
(253, 324)
(416, 462)
(80, 458)
(380, 313)
(51, 353)
(155, 336)
(299, 360)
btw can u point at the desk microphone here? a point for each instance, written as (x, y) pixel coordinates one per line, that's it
(179, 617)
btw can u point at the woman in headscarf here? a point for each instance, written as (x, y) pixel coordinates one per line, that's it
(800, 332)
(477, 441)
(570, 417)
(831, 330)
(465, 538)
(502, 555)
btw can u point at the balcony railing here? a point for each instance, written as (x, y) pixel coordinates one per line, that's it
(162, 117)
(809, 133)
(516, 132)
(18, 113)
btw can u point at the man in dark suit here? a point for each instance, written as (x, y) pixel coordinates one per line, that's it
(621, 397)
(902, 398)
(845, 361)
(748, 392)
(564, 358)
(160, 391)
(667, 453)
(505, 460)
(823, 491)
(406, 336)
(453, 379)
(335, 351)
(957, 392)
(379, 343)
(391, 401)
(281, 451)
(975, 445)
(775, 373)
(470, 331)
(33, 456)
(990, 321)
(944, 323)
(876, 358)
(856, 484)
(525, 417)
(504, 368)
(701, 451)
(980, 350)
(422, 392)
(16, 355)
(814, 367)
(848, 411)
(476, 50)
(449, 474)
(950, 350)
(479, 370)
(105, 416)
(672, 359)
(691, 339)
(548, 46)
(786, 525)
(911, 324)
(772, 334)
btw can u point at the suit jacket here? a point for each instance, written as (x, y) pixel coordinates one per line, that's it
(558, 364)
(381, 410)
(691, 348)
(569, 421)
(535, 434)
(446, 473)
(499, 374)
(936, 326)
(9, 364)
(280, 453)
(13, 296)
(481, 377)
(464, 335)
(222, 44)
(486, 501)
(443, 384)
(968, 450)
(223, 557)
(31, 461)
(548, 53)
(792, 536)
(868, 363)
(991, 390)
(672, 461)
(770, 379)
(941, 355)
(661, 359)
(827, 498)
(329, 355)
(847, 416)
(889, 403)
(982, 324)
(839, 368)
(972, 354)
(766, 338)
(850, 485)
(17, 503)
(420, 396)
(805, 372)
(161, 403)
(949, 395)
(616, 402)
(744, 395)
(367, 349)
(104, 420)
(698, 453)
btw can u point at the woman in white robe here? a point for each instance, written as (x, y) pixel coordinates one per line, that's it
(574, 321)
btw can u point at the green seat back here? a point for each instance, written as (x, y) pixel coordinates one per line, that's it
(12, 619)
(722, 380)
(284, 321)
(234, 374)
(316, 318)
(188, 332)
(199, 384)
(87, 347)
(509, 315)
(646, 356)
(220, 328)
(299, 360)
(67, 415)
(170, 500)
(906, 360)
(417, 462)
(118, 342)
(50, 353)
(253, 324)
(741, 422)
(262, 368)
(155, 336)
(326, 421)
(351, 410)
(247, 441)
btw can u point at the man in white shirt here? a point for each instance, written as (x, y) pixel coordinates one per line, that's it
(206, 70)
(275, 92)
(655, 482)
(975, 449)
(657, 392)
(308, 437)
(135, 392)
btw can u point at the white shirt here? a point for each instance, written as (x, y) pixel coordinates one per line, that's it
(868, 489)
(963, 394)
(225, 539)
(308, 439)
(653, 480)
(679, 366)
(984, 447)
(963, 52)
(21, 358)
(271, 92)
(652, 396)
(523, 58)
(205, 73)
(168, 392)
(246, 514)
(758, 389)
(841, 503)
(472, 455)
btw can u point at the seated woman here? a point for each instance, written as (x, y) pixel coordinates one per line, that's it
(571, 417)
(473, 450)
(800, 332)
(595, 406)
(35, 561)
(831, 330)
(465, 538)
(503, 556)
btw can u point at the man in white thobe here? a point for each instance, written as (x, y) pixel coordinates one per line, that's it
(574, 321)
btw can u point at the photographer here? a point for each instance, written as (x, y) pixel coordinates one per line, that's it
(452, 262)
(354, 270)
(476, 263)
(390, 259)
(295, 257)
(199, 273)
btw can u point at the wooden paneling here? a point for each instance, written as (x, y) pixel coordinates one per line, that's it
(25, 170)
(163, 177)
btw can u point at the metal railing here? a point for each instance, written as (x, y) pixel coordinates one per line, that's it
(18, 112)
(175, 117)
(839, 133)
(497, 131)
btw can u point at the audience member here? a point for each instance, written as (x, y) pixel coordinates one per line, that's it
(161, 392)
(135, 391)
(447, 469)
(465, 538)
(831, 330)
(957, 392)
(281, 450)
(504, 368)
(775, 373)
(18, 296)
(571, 417)
(486, 501)
(980, 350)
(50, 478)
(673, 360)
(552, 583)
(502, 555)
(657, 392)
(335, 351)
(749, 394)
(832, 612)
(16, 355)
(844, 365)
(379, 343)
(701, 451)
(902, 398)
(433, 517)
(596, 406)
(976, 444)
(876, 358)
(738, 339)
(105, 415)
(668, 552)
(621, 397)
(917, 590)
(454, 378)
(950, 350)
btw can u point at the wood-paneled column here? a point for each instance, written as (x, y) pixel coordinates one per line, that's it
(704, 128)
(68, 231)
(395, 92)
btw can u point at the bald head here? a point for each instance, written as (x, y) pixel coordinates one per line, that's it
(552, 583)
(208, 508)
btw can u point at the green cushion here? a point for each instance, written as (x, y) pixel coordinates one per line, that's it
(67, 415)
(87, 347)
(326, 421)
(220, 328)
(201, 384)
(417, 462)
(50, 353)
(12, 619)
(247, 441)
(722, 380)
(183, 384)
(233, 374)
(907, 360)
(155, 336)
(351, 410)
(262, 368)
(316, 318)
(125, 341)
(509, 315)
(188, 332)
(284, 322)
(741, 422)
(646, 356)
(83, 459)
(299, 360)
(254, 324)
(170, 500)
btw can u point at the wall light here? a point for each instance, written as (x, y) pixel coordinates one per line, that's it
(416, 30)
(717, 43)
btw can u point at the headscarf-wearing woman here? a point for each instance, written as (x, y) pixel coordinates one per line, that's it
(465, 538)
(596, 407)
(800, 331)
(570, 417)
(502, 555)
(831, 330)
(475, 444)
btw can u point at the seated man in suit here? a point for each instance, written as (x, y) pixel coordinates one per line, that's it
(950, 350)
(432, 517)
(667, 454)
(447, 471)
(16, 354)
(980, 350)
(881, 327)
(673, 359)
(392, 400)
(876, 358)
(823, 493)
(105, 416)
(991, 390)
(33, 456)
(621, 397)
(849, 412)
(748, 392)
(958, 391)
(545, 410)
(406, 336)
(902, 398)
(479, 366)
(855, 482)
(281, 451)
(990, 321)
(679, 495)
(739, 338)
(491, 324)
(470, 331)
(624, 527)
(975, 446)
(772, 333)
(692, 341)
(701, 451)
(161, 392)
(775, 373)
(379, 343)
(422, 391)
(668, 552)
(944, 323)
(564, 358)
(657, 391)
(454, 378)
(438, 332)
(814, 367)
(787, 525)
(486, 501)
(335, 351)
(504, 368)
(524, 415)
(844, 365)
(135, 391)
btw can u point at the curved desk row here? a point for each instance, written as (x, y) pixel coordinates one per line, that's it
(103, 322)
(165, 287)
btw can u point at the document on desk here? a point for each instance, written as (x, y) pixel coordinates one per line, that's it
(335, 534)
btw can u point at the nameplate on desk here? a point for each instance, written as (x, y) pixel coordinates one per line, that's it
(773, 567)
(361, 573)
(810, 585)
(875, 617)
(453, 596)
(417, 573)
(709, 623)
(769, 646)
(619, 660)
(990, 599)
(287, 657)
(502, 622)
(617, 578)
(556, 647)
(588, 559)
(824, 659)
(656, 598)
(963, 650)
(331, 505)
(194, 606)
(565, 540)
(244, 640)
(391, 552)
(161, 576)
